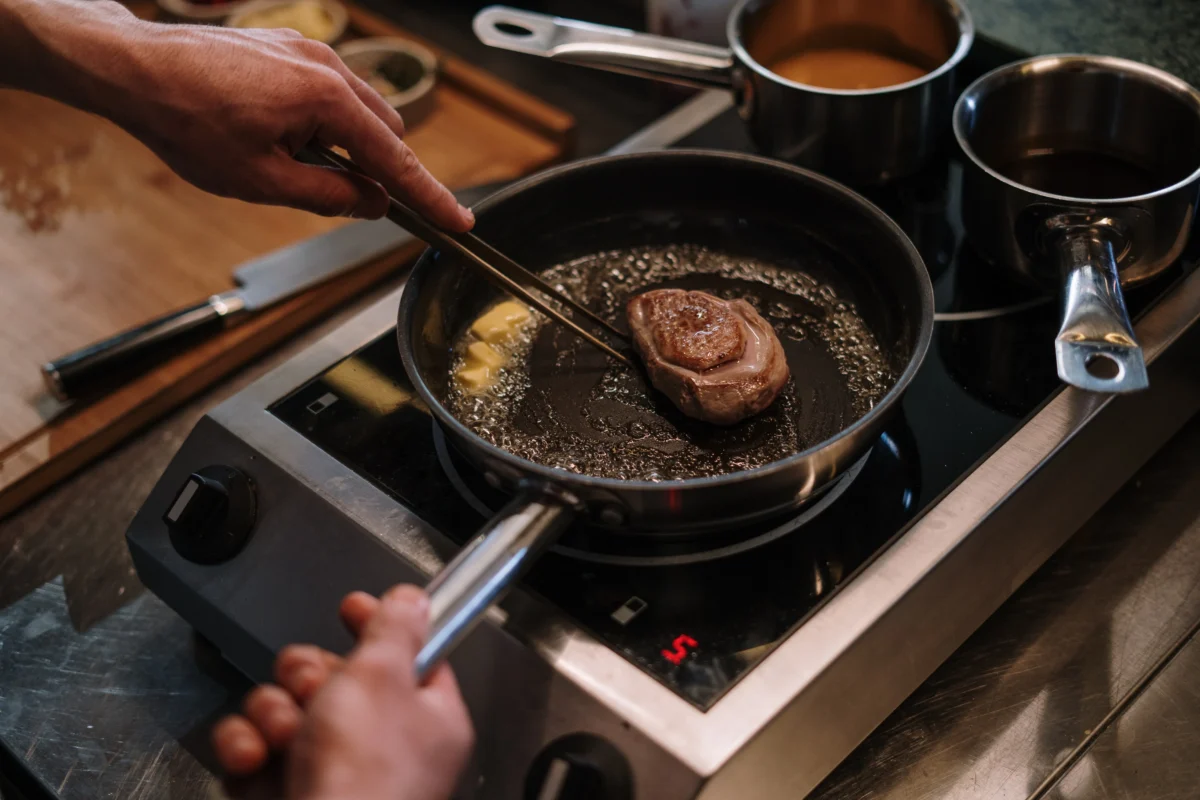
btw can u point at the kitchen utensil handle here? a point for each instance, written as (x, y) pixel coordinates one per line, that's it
(495, 265)
(1096, 347)
(484, 570)
(101, 366)
(614, 49)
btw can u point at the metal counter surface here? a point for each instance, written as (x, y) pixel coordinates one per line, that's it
(1072, 646)
(1064, 693)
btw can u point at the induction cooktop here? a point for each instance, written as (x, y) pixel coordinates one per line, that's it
(697, 618)
(741, 665)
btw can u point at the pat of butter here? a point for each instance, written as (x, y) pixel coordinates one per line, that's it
(501, 323)
(475, 377)
(482, 354)
(480, 365)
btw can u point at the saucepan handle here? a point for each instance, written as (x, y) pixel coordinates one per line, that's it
(487, 567)
(614, 49)
(1096, 347)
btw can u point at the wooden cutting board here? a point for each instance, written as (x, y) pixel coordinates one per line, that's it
(98, 235)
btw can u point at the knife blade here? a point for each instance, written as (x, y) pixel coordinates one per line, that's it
(291, 270)
(259, 284)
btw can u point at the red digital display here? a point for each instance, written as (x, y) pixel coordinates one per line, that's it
(681, 645)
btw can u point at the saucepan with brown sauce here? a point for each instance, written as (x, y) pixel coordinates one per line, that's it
(861, 91)
(1082, 174)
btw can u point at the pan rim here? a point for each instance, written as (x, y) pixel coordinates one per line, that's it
(560, 476)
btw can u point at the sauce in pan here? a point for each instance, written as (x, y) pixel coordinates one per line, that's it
(846, 68)
(1080, 173)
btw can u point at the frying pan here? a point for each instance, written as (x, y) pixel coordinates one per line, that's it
(757, 209)
(862, 136)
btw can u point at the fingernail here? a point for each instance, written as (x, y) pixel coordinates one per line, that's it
(409, 596)
(421, 604)
(468, 214)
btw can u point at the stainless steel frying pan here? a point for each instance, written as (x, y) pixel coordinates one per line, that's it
(729, 202)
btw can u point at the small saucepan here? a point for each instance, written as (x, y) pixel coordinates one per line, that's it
(859, 91)
(1082, 173)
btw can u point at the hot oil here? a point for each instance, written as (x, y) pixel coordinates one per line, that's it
(1081, 173)
(566, 405)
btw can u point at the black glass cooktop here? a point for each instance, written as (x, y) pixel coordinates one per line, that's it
(698, 619)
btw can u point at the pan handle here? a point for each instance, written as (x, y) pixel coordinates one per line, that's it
(605, 47)
(1096, 347)
(484, 570)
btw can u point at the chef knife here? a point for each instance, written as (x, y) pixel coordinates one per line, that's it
(261, 283)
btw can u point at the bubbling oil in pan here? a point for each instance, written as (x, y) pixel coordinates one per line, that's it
(563, 404)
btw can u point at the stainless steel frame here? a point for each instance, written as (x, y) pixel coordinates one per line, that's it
(795, 716)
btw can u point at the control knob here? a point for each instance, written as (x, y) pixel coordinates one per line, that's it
(211, 515)
(579, 767)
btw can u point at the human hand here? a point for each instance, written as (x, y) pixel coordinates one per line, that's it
(227, 109)
(357, 727)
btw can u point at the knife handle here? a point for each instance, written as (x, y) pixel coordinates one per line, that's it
(102, 366)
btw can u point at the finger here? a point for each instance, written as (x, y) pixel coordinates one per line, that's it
(275, 713)
(442, 701)
(374, 147)
(399, 626)
(356, 610)
(302, 669)
(239, 746)
(372, 99)
(441, 693)
(442, 683)
(326, 191)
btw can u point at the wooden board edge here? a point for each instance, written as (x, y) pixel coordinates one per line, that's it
(128, 419)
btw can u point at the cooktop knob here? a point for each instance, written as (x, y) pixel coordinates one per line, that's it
(579, 767)
(211, 515)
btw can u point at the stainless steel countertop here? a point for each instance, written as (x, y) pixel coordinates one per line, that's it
(1070, 647)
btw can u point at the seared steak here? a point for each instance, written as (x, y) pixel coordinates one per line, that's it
(718, 360)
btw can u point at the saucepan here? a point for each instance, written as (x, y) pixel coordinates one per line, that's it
(859, 91)
(579, 438)
(1082, 175)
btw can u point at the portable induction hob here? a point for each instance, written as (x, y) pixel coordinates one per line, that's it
(744, 667)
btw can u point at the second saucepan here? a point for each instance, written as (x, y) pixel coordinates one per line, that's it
(859, 91)
(1082, 173)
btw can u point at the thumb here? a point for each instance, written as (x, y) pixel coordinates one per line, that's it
(400, 625)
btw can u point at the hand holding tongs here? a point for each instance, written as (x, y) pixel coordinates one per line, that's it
(495, 265)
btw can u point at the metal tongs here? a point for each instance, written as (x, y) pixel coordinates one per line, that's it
(495, 265)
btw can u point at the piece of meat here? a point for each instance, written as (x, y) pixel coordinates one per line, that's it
(718, 360)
